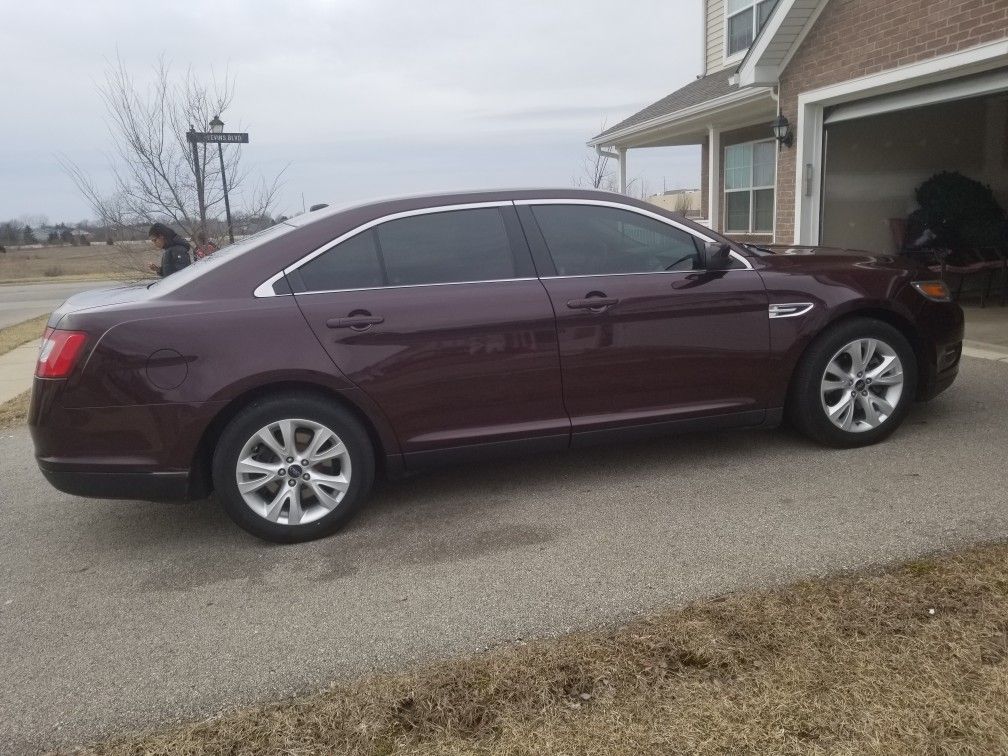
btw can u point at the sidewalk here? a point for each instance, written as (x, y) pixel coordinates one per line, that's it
(986, 333)
(17, 367)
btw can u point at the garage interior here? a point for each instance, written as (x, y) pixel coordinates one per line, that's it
(874, 164)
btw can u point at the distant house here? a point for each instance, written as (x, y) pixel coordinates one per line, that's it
(872, 98)
(686, 201)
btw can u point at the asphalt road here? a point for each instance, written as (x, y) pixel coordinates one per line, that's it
(119, 615)
(19, 302)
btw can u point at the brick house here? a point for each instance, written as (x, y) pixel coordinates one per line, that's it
(878, 96)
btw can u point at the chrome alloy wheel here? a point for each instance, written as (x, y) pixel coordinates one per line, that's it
(862, 385)
(293, 472)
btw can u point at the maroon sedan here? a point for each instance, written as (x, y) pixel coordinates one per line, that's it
(287, 371)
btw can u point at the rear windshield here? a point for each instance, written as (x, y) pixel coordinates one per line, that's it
(220, 257)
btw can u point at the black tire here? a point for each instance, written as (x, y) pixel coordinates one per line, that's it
(805, 409)
(261, 414)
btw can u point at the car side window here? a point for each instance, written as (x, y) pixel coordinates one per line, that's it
(351, 264)
(591, 240)
(448, 247)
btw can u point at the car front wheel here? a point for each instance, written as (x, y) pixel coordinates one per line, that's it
(293, 469)
(855, 384)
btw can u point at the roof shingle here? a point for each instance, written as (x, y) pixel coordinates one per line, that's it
(695, 93)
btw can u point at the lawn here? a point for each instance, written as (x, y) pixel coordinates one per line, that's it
(910, 660)
(15, 411)
(96, 261)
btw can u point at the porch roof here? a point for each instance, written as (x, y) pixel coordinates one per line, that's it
(686, 115)
(703, 89)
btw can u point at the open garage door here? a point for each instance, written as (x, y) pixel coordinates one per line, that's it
(879, 151)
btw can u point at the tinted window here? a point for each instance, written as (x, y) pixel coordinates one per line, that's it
(585, 240)
(460, 245)
(352, 264)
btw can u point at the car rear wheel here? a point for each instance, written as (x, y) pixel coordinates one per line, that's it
(293, 469)
(854, 385)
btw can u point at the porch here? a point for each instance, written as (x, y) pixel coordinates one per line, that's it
(732, 126)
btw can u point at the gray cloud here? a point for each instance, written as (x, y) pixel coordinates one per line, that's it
(360, 98)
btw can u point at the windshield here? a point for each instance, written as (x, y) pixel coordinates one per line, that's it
(218, 258)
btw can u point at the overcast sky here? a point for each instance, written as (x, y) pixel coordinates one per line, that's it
(360, 98)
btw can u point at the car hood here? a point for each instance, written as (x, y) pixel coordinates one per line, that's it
(797, 257)
(107, 296)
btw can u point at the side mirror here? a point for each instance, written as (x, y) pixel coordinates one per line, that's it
(716, 256)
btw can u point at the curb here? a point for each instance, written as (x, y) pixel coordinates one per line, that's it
(984, 351)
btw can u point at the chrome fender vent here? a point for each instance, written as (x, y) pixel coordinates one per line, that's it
(792, 310)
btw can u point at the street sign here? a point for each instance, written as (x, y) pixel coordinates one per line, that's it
(233, 137)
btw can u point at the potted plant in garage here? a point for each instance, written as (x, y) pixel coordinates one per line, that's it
(960, 226)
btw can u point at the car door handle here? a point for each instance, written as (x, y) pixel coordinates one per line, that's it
(592, 303)
(357, 322)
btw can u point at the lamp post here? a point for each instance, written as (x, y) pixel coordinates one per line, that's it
(217, 127)
(192, 137)
(218, 135)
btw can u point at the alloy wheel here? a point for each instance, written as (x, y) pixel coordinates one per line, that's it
(862, 385)
(293, 472)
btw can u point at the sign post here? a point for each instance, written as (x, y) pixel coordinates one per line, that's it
(220, 137)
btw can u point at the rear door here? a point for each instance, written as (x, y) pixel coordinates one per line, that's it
(437, 315)
(646, 335)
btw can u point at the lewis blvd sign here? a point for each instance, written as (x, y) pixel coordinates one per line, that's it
(231, 137)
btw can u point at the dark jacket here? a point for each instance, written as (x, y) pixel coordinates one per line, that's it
(174, 257)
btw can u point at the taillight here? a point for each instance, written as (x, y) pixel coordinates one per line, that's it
(59, 353)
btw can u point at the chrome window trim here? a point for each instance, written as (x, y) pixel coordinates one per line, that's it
(632, 209)
(790, 310)
(642, 273)
(411, 286)
(265, 289)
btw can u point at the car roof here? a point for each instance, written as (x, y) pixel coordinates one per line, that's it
(417, 201)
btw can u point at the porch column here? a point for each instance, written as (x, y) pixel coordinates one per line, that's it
(714, 176)
(621, 153)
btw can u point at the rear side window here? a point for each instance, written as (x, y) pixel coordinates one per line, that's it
(589, 240)
(448, 247)
(352, 264)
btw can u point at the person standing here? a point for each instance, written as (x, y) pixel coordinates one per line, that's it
(174, 250)
(205, 248)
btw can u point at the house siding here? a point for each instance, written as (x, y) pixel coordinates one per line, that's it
(855, 38)
(715, 35)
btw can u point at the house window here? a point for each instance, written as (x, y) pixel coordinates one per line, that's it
(750, 175)
(745, 19)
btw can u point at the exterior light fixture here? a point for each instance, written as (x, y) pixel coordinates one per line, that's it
(217, 125)
(782, 132)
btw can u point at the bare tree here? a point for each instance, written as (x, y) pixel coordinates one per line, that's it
(34, 219)
(152, 162)
(684, 203)
(595, 170)
(596, 173)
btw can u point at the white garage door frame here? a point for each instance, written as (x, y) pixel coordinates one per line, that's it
(888, 92)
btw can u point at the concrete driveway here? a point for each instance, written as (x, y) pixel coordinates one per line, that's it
(20, 302)
(118, 615)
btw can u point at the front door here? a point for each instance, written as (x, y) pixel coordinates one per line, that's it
(646, 335)
(439, 319)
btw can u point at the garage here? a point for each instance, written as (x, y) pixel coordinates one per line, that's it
(878, 152)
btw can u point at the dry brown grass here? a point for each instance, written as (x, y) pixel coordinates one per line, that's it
(15, 411)
(95, 261)
(14, 336)
(911, 661)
